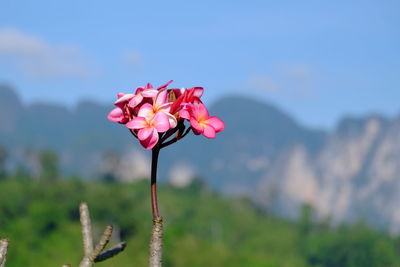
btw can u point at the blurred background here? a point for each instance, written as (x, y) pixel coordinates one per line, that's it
(305, 174)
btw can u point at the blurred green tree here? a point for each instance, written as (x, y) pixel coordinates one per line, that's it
(49, 168)
(21, 172)
(3, 159)
(355, 245)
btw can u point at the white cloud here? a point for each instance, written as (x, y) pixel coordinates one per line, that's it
(296, 80)
(36, 58)
(132, 57)
(298, 74)
(264, 83)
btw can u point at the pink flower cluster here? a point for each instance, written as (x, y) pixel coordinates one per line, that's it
(155, 114)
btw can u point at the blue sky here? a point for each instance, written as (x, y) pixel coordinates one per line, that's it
(317, 60)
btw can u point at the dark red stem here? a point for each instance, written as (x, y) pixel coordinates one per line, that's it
(154, 161)
(176, 138)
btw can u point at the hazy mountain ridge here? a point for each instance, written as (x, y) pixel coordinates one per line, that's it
(348, 173)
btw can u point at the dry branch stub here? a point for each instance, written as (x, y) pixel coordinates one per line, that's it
(3, 251)
(97, 254)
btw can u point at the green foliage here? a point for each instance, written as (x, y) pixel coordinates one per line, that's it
(3, 158)
(201, 228)
(351, 246)
(48, 166)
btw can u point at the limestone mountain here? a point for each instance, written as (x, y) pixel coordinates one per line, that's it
(349, 173)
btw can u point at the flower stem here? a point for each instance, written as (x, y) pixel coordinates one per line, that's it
(156, 238)
(156, 243)
(154, 203)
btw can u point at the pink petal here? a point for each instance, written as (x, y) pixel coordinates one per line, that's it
(199, 111)
(123, 98)
(178, 92)
(144, 133)
(165, 107)
(172, 120)
(184, 113)
(216, 123)
(197, 128)
(136, 100)
(146, 111)
(161, 98)
(149, 93)
(139, 90)
(198, 91)
(116, 115)
(137, 123)
(161, 121)
(176, 105)
(197, 101)
(151, 141)
(165, 85)
(209, 131)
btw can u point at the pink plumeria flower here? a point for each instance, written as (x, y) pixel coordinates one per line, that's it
(165, 85)
(145, 92)
(185, 110)
(160, 104)
(141, 93)
(185, 96)
(203, 124)
(148, 128)
(118, 114)
(123, 98)
(152, 114)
